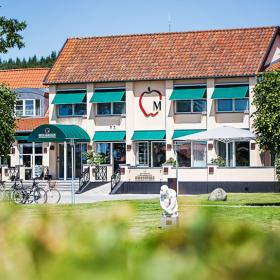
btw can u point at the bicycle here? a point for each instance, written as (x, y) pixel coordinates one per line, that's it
(53, 194)
(17, 191)
(27, 195)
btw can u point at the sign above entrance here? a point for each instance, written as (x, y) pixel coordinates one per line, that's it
(47, 134)
(150, 102)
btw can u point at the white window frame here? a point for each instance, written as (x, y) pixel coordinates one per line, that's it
(233, 105)
(34, 108)
(192, 102)
(192, 153)
(111, 109)
(149, 154)
(73, 110)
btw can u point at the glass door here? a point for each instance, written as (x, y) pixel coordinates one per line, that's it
(79, 159)
(118, 155)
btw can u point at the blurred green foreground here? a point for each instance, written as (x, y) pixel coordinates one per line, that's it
(78, 243)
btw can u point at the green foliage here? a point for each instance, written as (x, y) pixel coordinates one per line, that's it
(266, 119)
(277, 168)
(9, 34)
(171, 160)
(72, 246)
(218, 161)
(96, 159)
(7, 119)
(32, 62)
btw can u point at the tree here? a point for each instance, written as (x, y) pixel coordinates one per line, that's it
(9, 34)
(266, 119)
(7, 119)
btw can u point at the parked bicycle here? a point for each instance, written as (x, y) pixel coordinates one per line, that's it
(29, 194)
(53, 194)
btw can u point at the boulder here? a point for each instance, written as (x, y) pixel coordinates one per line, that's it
(218, 195)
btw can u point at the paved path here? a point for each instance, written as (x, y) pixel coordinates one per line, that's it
(102, 194)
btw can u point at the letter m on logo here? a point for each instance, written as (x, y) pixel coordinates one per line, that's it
(157, 106)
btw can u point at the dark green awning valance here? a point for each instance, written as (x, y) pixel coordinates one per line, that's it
(22, 137)
(183, 132)
(230, 92)
(109, 136)
(188, 93)
(148, 135)
(69, 98)
(108, 96)
(58, 133)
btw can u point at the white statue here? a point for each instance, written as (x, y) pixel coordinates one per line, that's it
(168, 202)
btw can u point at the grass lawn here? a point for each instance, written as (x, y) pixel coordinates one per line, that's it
(262, 210)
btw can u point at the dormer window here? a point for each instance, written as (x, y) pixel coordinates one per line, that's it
(28, 107)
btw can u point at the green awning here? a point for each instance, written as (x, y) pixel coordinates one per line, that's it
(107, 96)
(230, 92)
(148, 135)
(109, 136)
(183, 132)
(188, 93)
(69, 98)
(58, 133)
(22, 137)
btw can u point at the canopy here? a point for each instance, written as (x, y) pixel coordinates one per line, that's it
(69, 98)
(223, 134)
(110, 136)
(58, 133)
(107, 96)
(230, 92)
(188, 93)
(148, 135)
(183, 132)
(22, 137)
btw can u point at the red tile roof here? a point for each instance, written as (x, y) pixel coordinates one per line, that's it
(232, 52)
(24, 78)
(28, 124)
(274, 66)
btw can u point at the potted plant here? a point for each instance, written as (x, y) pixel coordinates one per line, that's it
(219, 161)
(95, 159)
(171, 161)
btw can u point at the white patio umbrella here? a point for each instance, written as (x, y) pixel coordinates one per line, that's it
(224, 134)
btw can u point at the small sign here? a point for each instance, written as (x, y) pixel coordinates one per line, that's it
(44, 136)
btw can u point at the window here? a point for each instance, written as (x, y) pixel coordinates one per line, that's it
(5, 161)
(28, 107)
(67, 110)
(19, 108)
(190, 106)
(238, 150)
(104, 149)
(232, 105)
(114, 108)
(151, 153)
(191, 154)
(242, 153)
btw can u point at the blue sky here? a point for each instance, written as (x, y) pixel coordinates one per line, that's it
(51, 22)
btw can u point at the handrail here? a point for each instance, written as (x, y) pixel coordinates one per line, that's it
(115, 178)
(84, 178)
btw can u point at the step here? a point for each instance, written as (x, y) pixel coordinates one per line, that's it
(60, 185)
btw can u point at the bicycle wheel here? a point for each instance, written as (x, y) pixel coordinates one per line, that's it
(40, 196)
(53, 196)
(18, 196)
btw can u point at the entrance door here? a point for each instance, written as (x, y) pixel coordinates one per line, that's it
(118, 154)
(79, 159)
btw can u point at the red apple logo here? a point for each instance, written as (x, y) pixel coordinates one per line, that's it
(156, 105)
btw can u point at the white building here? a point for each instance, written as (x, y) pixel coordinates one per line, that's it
(130, 97)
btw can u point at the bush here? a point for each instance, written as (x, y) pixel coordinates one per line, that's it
(72, 246)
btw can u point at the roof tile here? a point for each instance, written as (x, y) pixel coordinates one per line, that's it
(28, 124)
(233, 52)
(24, 78)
